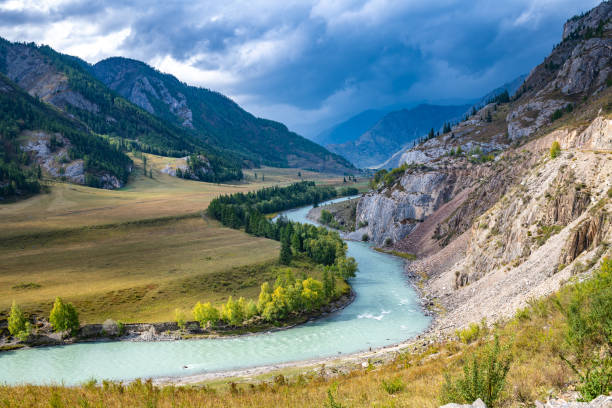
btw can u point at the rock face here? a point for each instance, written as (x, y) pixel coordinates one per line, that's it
(215, 118)
(145, 91)
(494, 219)
(34, 73)
(602, 401)
(51, 153)
(477, 404)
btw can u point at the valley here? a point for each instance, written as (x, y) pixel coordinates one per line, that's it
(209, 257)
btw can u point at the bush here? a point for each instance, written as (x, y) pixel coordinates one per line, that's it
(64, 316)
(470, 333)
(484, 378)
(555, 149)
(180, 319)
(393, 386)
(589, 333)
(365, 237)
(18, 325)
(205, 314)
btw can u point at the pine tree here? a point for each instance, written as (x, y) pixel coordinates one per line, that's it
(285, 252)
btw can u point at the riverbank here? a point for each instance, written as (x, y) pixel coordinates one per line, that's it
(165, 331)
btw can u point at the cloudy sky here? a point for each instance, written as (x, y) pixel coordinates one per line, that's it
(308, 63)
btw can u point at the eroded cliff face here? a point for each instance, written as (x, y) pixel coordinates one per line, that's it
(36, 74)
(394, 211)
(552, 224)
(493, 218)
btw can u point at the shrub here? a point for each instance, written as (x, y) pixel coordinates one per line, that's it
(205, 314)
(589, 333)
(64, 316)
(555, 149)
(180, 319)
(469, 334)
(393, 386)
(484, 378)
(365, 237)
(18, 325)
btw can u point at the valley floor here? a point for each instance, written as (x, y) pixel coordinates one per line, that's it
(134, 254)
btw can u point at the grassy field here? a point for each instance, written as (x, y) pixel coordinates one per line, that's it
(133, 254)
(69, 205)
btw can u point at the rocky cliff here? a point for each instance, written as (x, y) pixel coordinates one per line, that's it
(493, 216)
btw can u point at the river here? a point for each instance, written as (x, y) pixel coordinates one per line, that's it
(385, 311)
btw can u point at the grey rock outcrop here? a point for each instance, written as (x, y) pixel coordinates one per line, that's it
(395, 210)
(477, 404)
(599, 402)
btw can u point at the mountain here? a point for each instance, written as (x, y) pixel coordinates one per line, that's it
(40, 141)
(214, 118)
(351, 128)
(66, 83)
(514, 201)
(394, 131)
(510, 87)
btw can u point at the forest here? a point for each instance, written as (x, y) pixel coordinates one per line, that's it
(324, 247)
(23, 112)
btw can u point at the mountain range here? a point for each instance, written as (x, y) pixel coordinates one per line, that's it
(374, 137)
(125, 105)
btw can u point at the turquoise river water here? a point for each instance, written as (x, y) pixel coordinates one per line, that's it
(385, 311)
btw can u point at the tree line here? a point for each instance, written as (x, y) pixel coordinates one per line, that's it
(290, 295)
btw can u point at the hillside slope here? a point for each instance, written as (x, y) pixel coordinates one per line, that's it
(493, 216)
(394, 131)
(66, 83)
(214, 118)
(39, 141)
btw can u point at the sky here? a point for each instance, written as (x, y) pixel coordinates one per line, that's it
(308, 64)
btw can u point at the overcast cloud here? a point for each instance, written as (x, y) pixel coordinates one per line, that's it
(308, 63)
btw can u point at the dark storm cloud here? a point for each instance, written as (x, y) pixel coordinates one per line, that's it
(306, 61)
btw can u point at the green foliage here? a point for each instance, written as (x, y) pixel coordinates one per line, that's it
(503, 97)
(348, 191)
(64, 316)
(18, 325)
(557, 114)
(393, 386)
(285, 252)
(394, 174)
(484, 378)
(233, 210)
(206, 314)
(331, 401)
(216, 119)
(22, 112)
(545, 232)
(233, 312)
(378, 177)
(470, 333)
(179, 317)
(589, 332)
(555, 149)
